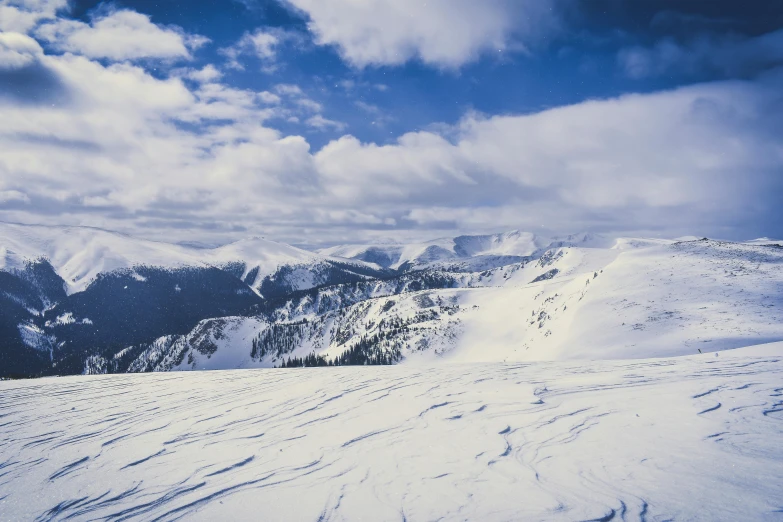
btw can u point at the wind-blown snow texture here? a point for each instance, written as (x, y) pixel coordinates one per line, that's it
(692, 438)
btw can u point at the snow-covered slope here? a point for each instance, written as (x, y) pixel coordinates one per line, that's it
(765, 241)
(695, 438)
(478, 252)
(470, 299)
(384, 255)
(79, 254)
(516, 244)
(72, 297)
(642, 298)
(256, 259)
(512, 245)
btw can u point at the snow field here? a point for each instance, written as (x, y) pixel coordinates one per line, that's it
(690, 438)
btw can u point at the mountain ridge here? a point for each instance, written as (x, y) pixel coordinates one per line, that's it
(512, 296)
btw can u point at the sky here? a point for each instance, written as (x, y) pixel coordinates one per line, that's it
(319, 122)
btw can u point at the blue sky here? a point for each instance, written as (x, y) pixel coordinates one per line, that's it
(319, 122)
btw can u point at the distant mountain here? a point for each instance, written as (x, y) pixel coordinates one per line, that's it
(80, 254)
(272, 269)
(495, 250)
(80, 300)
(70, 291)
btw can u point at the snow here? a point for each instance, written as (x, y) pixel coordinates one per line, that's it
(232, 345)
(765, 241)
(690, 438)
(640, 299)
(604, 379)
(80, 254)
(66, 318)
(514, 243)
(583, 296)
(35, 337)
(258, 253)
(391, 252)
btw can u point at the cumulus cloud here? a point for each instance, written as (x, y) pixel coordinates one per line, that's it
(187, 157)
(268, 97)
(118, 155)
(23, 15)
(442, 33)
(120, 35)
(730, 55)
(18, 50)
(608, 163)
(208, 73)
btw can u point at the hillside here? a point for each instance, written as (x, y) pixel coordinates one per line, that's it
(135, 305)
(70, 293)
(642, 298)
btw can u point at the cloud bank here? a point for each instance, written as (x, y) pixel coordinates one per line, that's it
(185, 156)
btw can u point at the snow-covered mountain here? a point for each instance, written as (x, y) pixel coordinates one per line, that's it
(80, 254)
(464, 252)
(641, 298)
(140, 306)
(67, 292)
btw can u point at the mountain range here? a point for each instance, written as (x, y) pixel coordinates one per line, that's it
(84, 300)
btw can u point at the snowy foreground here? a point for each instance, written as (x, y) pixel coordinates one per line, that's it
(691, 438)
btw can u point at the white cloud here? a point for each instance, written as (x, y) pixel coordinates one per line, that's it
(220, 102)
(268, 97)
(369, 108)
(379, 117)
(23, 15)
(208, 73)
(174, 158)
(633, 156)
(347, 85)
(263, 43)
(321, 123)
(416, 164)
(7, 196)
(288, 89)
(443, 33)
(300, 100)
(18, 50)
(310, 105)
(120, 35)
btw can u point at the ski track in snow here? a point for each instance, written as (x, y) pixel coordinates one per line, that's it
(693, 438)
